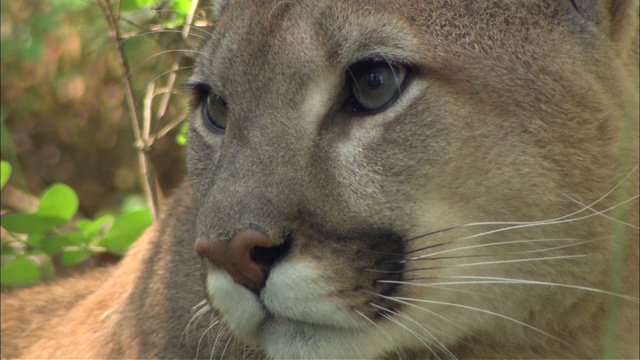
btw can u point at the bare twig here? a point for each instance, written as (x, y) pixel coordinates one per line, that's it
(174, 71)
(146, 132)
(149, 181)
(15, 198)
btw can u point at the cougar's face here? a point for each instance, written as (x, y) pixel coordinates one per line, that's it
(355, 164)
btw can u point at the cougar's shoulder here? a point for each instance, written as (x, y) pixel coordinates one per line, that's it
(25, 311)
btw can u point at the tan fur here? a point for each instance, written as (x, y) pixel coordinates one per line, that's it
(477, 194)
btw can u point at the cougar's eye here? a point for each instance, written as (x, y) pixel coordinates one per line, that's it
(214, 113)
(374, 85)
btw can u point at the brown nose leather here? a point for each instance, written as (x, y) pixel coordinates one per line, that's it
(234, 257)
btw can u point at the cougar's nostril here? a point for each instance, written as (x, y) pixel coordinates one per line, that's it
(247, 257)
(267, 256)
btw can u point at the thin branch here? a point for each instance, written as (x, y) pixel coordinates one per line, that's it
(174, 71)
(149, 181)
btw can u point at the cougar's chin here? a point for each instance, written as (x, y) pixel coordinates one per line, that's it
(296, 314)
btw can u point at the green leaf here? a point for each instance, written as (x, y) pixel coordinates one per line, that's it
(5, 173)
(83, 223)
(132, 203)
(134, 5)
(70, 5)
(35, 240)
(28, 223)
(74, 257)
(21, 271)
(145, 3)
(126, 229)
(54, 244)
(128, 5)
(60, 201)
(182, 6)
(181, 138)
(92, 227)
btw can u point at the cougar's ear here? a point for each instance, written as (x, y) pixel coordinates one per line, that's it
(218, 8)
(615, 18)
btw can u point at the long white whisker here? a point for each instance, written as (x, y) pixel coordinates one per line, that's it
(196, 316)
(589, 207)
(509, 281)
(157, 30)
(226, 345)
(145, 61)
(435, 339)
(484, 311)
(374, 324)
(607, 193)
(401, 325)
(203, 335)
(561, 220)
(524, 224)
(557, 247)
(395, 299)
(578, 211)
(520, 260)
(484, 245)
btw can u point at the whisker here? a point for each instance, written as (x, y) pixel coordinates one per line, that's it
(170, 71)
(433, 233)
(589, 207)
(507, 281)
(224, 350)
(278, 4)
(435, 339)
(401, 325)
(148, 59)
(433, 257)
(395, 299)
(511, 225)
(556, 221)
(430, 268)
(521, 260)
(485, 245)
(196, 316)
(562, 257)
(545, 222)
(152, 30)
(203, 335)
(373, 323)
(484, 311)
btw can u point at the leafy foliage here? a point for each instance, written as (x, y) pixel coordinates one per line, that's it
(51, 232)
(64, 40)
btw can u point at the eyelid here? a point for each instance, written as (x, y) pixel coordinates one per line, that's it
(199, 92)
(386, 59)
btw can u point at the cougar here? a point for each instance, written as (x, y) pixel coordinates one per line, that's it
(383, 179)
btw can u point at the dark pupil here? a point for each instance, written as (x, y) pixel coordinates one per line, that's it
(374, 80)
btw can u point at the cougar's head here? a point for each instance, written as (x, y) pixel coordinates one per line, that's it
(380, 176)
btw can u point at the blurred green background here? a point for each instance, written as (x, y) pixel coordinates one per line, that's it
(65, 120)
(63, 111)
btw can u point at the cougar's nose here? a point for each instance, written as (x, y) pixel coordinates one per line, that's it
(247, 257)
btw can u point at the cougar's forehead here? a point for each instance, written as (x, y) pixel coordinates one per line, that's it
(266, 58)
(294, 42)
(281, 67)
